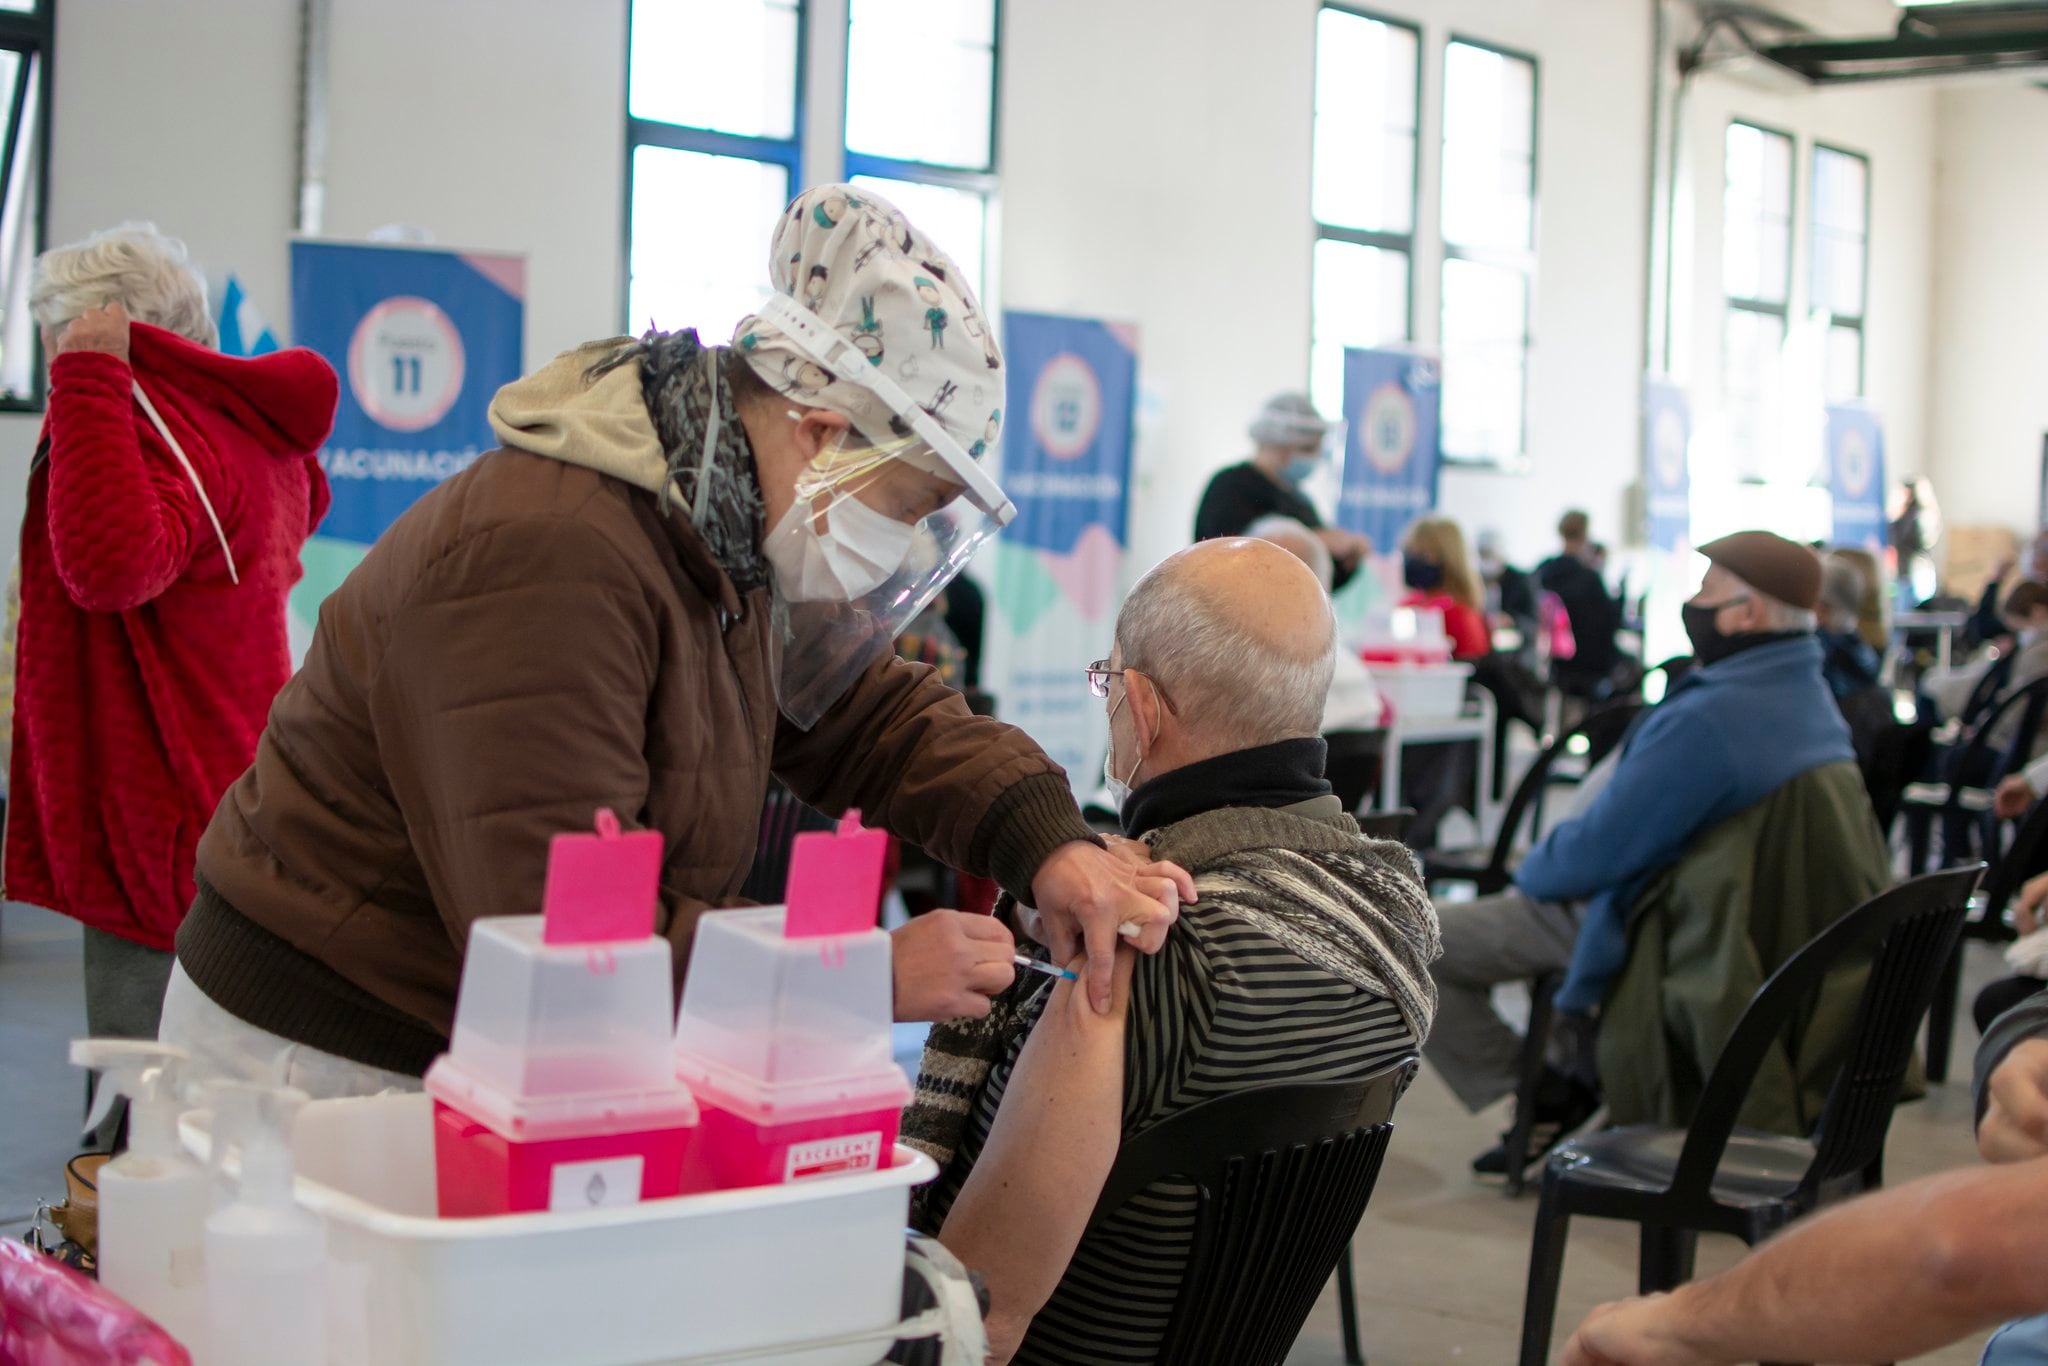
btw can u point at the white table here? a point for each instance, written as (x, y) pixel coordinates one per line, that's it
(1474, 723)
(1943, 624)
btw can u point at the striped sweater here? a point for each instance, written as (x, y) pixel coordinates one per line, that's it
(1305, 959)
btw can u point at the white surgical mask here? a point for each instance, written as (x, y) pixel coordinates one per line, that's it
(1119, 788)
(854, 555)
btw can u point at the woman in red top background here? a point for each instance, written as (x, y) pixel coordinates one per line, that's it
(1439, 573)
(171, 492)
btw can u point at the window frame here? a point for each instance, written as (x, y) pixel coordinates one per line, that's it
(1856, 323)
(964, 178)
(32, 34)
(1521, 260)
(785, 152)
(1780, 310)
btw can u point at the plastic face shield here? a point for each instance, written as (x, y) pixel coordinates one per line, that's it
(877, 532)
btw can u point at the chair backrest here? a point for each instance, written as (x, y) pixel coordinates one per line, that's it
(1967, 763)
(1912, 929)
(1282, 1176)
(1601, 729)
(783, 818)
(1386, 825)
(2021, 860)
(1989, 685)
(1353, 764)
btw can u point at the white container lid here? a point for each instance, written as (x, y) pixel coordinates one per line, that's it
(539, 1119)
(768, 1103)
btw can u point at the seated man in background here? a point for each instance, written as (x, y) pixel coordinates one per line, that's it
(1752, 717)
(1304, 958)
(1355, 702)
(1892, 1275)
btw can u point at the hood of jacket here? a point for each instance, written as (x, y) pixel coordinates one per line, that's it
(559, 412)
(284, 401)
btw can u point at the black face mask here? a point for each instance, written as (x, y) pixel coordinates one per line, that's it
(1709, 642)
(1420, 574)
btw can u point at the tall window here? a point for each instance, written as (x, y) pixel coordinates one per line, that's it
(1841, 263)
(920, 115)
(1362, 193)
(25, 31)
(1489, 225)
(1756, 274)
(712, 105)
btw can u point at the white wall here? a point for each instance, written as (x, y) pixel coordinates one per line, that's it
(1990, 368)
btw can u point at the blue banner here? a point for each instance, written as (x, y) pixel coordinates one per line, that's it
(1391, 457)
(422, 339)
(1856, 476)
(1667, 474)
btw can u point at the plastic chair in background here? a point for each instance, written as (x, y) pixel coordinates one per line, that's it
(1353, 765)
(1282, 1176)
(1386, 825)
(51, 1315)
(1959, 805)
(1717, 1178)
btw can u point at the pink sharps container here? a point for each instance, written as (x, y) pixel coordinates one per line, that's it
(784, 1029)
(558, 1090)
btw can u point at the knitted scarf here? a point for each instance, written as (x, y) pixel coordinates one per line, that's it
(676, 384)
(1356, 908)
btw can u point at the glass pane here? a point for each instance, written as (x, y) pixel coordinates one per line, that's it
(920, 80)
(1751, 388)
(956, 219)
(20, 6)
(1361, 299)
(1489, 148)
(728, 65)
(1486, 353)
(1756, 256)
(1844, 364)
(700, 229)
(1841, 231)
(1365, 123)
(18, 241)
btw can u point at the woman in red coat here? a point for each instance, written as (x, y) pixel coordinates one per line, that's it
(171, 492)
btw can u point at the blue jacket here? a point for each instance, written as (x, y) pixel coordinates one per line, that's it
(1727, 736)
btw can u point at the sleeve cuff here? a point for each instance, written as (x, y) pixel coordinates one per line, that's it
(1023, 827)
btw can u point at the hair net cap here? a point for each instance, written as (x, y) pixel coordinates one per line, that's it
(851, 258)
(1289, 420)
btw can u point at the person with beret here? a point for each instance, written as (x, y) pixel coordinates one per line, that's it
(1753, 716)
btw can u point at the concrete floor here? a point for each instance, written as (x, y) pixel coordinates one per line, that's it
(1440, 1260)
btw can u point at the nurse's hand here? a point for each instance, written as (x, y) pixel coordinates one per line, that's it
(1092, 897)
(948, 965)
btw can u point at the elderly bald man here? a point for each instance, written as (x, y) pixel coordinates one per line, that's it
(1304, 958)
(1755, 715)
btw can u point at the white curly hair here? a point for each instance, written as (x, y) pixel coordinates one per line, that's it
(149, 273)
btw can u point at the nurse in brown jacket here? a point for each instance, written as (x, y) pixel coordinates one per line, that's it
(680, 574)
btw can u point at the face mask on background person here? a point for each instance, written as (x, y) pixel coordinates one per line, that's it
(1420, 574)
(1709, 641)
(854, 555)
(1302, 467)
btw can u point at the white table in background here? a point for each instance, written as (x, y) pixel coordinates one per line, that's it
(1943, 624)
(1474, 723)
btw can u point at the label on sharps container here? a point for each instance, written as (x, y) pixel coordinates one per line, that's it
(593, 1185)
(834, 1156)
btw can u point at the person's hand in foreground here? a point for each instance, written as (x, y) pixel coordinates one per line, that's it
(2015, 1124)
(1091, 897)
(2012, 798)
(948, 965)
(97, 329)
(2027, 914)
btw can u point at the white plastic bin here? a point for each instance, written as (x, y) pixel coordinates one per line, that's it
(661, 1281)
(1419, 691)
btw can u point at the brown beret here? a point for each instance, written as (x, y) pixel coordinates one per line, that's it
(1772, 565)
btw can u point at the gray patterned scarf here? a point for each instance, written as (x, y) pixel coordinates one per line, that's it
(675, 381)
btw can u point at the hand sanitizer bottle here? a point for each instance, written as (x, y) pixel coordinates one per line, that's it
(153, 1198)
(266, 1258)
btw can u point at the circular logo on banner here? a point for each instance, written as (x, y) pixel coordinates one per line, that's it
(1667, 449)
(1853, 463)
(405, 364)
(1387, 427)
(1066, 407)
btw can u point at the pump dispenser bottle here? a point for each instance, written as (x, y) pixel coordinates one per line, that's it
(153, 1198)
(265, 1256)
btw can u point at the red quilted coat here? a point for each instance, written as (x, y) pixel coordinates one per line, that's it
(151, 642)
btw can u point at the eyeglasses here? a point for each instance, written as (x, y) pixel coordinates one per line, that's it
(1099, 674)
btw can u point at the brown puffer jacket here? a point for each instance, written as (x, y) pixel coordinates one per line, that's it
(533, 641)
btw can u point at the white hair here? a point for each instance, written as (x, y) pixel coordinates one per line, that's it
(1231, 686)
(148, 273)
(1299, 541)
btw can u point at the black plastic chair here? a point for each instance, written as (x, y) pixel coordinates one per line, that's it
(1282, 1175)
(1492, 870)
(1717, 1178)
(783, 818)
(1353, 765)
(1386, 825)
(2021, 859)
(1960, 802)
